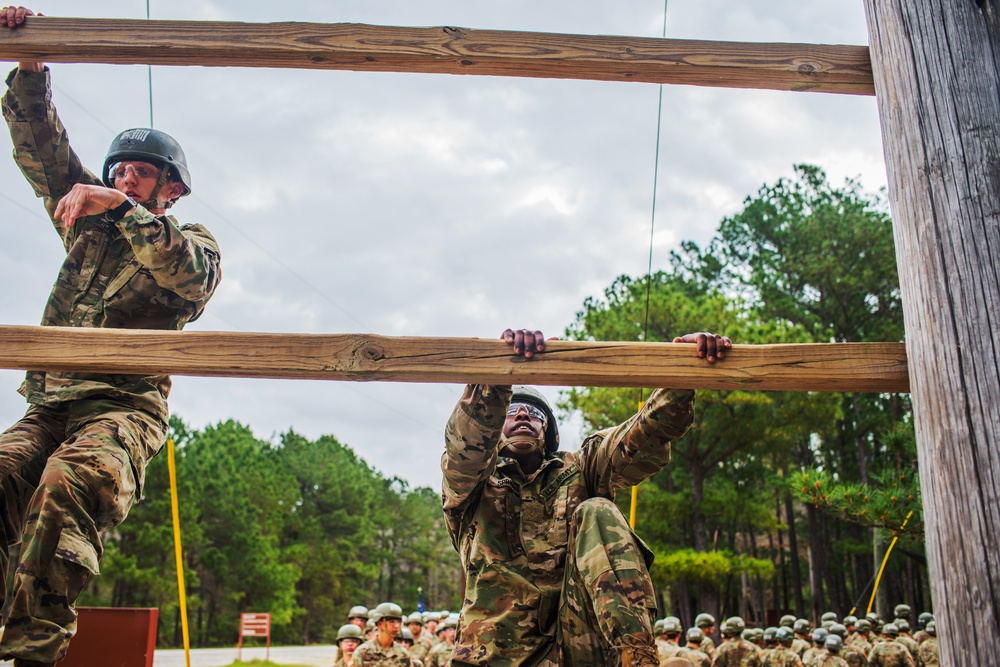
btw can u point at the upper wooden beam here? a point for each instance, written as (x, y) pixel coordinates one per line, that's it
(352, 46)
(868, 367)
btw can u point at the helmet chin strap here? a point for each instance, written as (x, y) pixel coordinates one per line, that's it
(504, 440)
(152, 202)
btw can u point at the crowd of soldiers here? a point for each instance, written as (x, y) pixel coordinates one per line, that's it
(851, 642)
(384, 636)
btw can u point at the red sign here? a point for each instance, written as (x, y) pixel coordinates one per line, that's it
(255, 625)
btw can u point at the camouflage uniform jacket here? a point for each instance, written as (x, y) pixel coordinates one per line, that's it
(736, 653)
(861, 643)
(854, 656)
(928, 651)
(920, 636)
(890, 654)
(371, 654)
(695, 657)
(707, 645)
(439, 656)
(421, 647)
(912, 646)
(800, 646)
(830, 660)
(782, 656)
(810, 656)
(143, 272)
(511, 530)
(341, 663)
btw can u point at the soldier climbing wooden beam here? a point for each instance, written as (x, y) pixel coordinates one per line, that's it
(872, 367)
(444, 50)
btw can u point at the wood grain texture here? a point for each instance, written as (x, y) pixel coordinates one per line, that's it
(877, 367)
(444, 50)
(937, 80)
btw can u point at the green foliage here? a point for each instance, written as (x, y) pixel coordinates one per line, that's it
(301, 529)
(706, 568)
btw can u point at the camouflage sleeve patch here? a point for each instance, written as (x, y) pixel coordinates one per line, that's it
(471, 439)
(630, 452)
(41, 144)
(185, 260)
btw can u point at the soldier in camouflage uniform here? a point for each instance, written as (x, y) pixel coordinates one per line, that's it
(817, 649)
(831, 653)
(921, 635)
(928, 651)
(801, 643)
(706, 623)
(734, 651)
(906, 640)
(691, 652)
(383, 650)
(421, 640)
(554, 573)
(782, 655)
(349, 638)
(862, 639)
(852, 655)
(669, 647)
(73, 466)
(888, 652)
(440, 655)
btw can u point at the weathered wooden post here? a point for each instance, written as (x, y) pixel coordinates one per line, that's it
(938, 88)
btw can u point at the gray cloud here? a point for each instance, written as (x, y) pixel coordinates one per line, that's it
(434, 205)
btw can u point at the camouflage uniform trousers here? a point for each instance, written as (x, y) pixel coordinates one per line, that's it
(65, 475)
(607, 599)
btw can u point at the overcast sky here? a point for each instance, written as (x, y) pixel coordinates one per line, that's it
(433, 205)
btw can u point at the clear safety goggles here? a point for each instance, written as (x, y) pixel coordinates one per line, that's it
(141, 170)
(532, 410)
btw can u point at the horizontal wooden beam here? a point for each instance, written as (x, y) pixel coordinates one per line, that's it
(867, 367)
(352, 46)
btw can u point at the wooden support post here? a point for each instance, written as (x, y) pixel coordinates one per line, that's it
(349, 46)
(937, 82)
(817, 367)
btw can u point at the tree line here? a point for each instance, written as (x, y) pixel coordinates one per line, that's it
(774, 502)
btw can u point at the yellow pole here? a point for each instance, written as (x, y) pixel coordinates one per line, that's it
(178, 557)
(888, 551)
(635, 493)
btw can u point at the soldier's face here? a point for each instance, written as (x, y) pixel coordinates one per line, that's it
(522, 421)
(348, 645)
(139, 179)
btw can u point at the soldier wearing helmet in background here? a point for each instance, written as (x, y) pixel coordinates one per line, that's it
(782, 655)
(75, 464)
(441, 655)
(818, 647)
(383, 650)
(831, 657)
(538, 532)
(888, 652)
(929, 656)
(349, 638)
(901, 611)
(421, 642)
(863, 637)
(802, 643)
(850, 624)
(906, 640)
(692, 650)
(670, 629)
(921, 635)
(851, 654)
(706, 622)
(770, 641)
(734, 651)
(405, 640)
(358, 615)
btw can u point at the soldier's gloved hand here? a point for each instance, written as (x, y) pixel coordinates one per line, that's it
(525, 341)
(708, 345)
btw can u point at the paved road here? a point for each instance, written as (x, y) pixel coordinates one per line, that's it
(314, 656)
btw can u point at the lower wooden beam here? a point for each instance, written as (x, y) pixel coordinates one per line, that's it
(830, 68)
(855, 367)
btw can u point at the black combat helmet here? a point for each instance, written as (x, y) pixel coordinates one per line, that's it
(147, 145)
(524, 394)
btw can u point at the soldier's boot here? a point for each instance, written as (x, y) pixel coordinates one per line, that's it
(640, 656)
